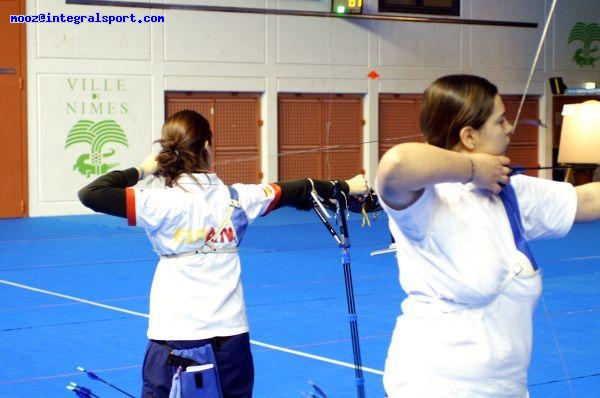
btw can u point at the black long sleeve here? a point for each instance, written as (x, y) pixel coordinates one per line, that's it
(106, 194)
(296, 193)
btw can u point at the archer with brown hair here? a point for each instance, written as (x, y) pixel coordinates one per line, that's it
(461, 225)
(195, 223)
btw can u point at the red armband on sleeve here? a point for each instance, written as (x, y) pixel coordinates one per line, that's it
(277, 194)
(130, 206)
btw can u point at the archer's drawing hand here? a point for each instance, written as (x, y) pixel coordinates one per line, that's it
(358, 185)
(490, 171)
(148, 166)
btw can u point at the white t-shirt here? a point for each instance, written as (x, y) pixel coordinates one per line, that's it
(466, 324)
(197, 296)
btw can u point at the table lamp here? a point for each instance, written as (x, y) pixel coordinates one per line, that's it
(580, 136)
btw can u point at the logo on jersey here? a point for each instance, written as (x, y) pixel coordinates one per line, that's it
(268, 190)
(191, 236)
(97, 136)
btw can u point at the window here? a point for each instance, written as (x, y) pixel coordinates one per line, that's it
(441, 7)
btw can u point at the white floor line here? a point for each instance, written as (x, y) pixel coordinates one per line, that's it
(62, 376)
(317, 357)
(123, 310)
(108, 307)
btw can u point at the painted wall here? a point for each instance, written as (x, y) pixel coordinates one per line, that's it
(90, 78)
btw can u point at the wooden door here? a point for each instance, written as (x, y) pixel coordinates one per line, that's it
(523, 148)
(235, 123)
(320, 136)
(398, 120)
(13, 132)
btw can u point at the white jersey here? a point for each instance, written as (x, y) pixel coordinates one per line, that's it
(466, 325)
(196, 296)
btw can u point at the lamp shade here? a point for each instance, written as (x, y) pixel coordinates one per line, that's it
(580, 134)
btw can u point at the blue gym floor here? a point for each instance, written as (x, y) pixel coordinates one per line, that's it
(74, 292)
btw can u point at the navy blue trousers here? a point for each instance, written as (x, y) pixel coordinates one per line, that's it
(234, 362)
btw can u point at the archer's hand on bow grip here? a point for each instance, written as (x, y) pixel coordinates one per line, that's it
(368, 203)
(358, 185)
(362, 198)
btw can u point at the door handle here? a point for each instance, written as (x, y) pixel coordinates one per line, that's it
(7, 71)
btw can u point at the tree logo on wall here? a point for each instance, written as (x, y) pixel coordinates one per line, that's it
(97, 136)
(587, 34)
